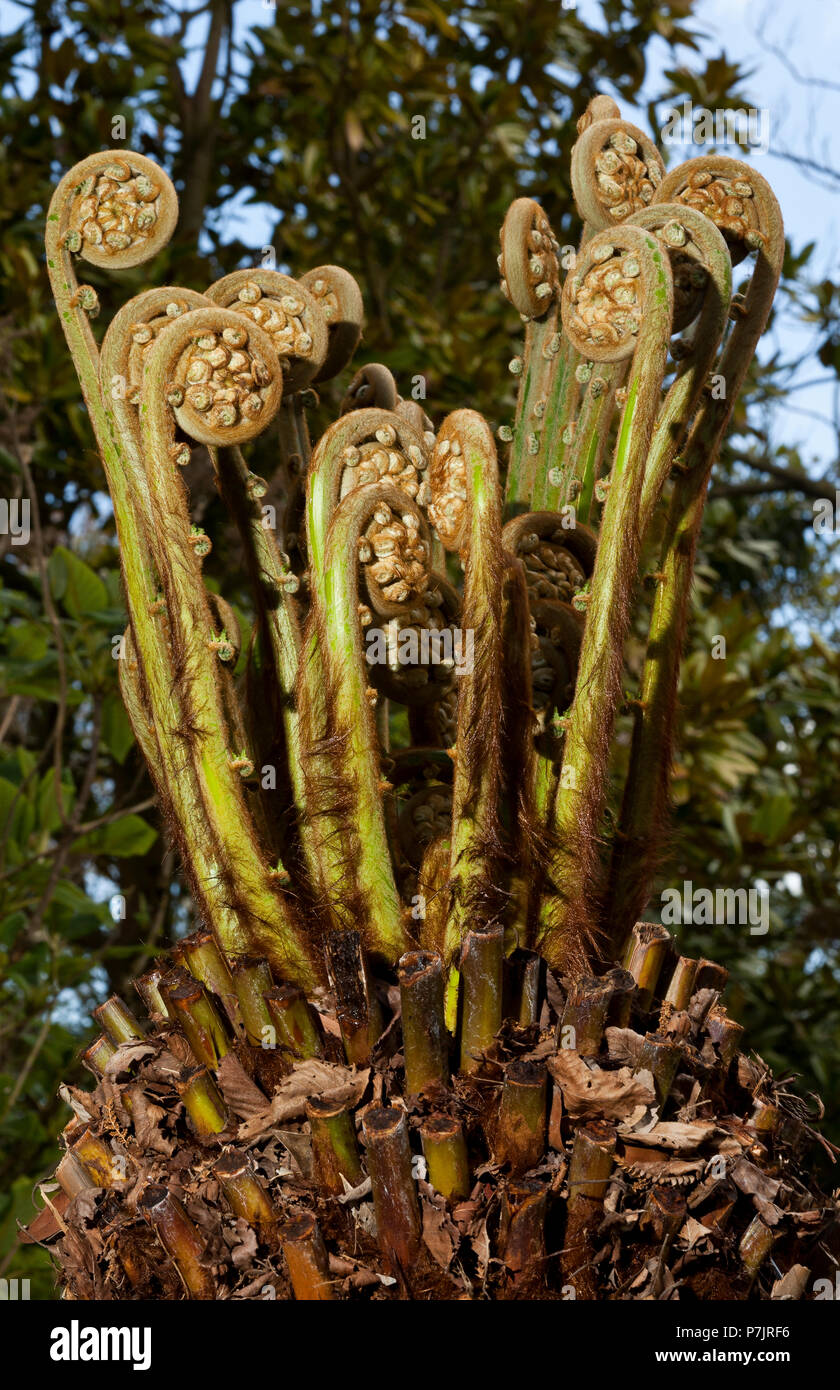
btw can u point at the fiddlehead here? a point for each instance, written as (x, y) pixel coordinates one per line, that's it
(344, 801)
(373, 387)
(115, 210)
(730, 194)
(465, 509)
(287, 312)
(421, 646)
(702, 272)
(233, 907)
(364, 446)
(124, 210)
(376, 446)
(530, 270)
(340, 301)
(558, 559)
(616, 170)
(615, 173)
(742, 205)
(262, 912)
(618, 303)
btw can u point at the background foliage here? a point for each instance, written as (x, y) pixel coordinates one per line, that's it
(310, 113)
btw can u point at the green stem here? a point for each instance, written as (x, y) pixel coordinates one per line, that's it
(573, 867)
(643, 820)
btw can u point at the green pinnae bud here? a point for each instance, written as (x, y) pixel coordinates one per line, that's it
(73, 240)
(674, 234)
(515, 366)
(175, 396)
(243, 765)
(533, 444)
(200, 542)
(118, 171)
(505, 433)
(223, 647)
(583, 372)
(88, 300)
(256, 486)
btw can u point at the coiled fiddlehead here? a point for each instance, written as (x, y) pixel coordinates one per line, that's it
(135, 208)
(167, 399)
(530, 270)
(340, 300)
(287, 312)
(617, 304)
(615, 173)
(466, 511)
(740, 202)
(343, 771)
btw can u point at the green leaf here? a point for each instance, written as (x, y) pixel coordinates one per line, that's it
(727, 816)
(116, 729)
(122, 839)
(75, 585)
(772, 816)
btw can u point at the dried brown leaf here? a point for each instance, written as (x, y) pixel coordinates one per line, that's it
(308, 1078)
(591, 1091)
(147, 1119)
(242, 1096)
(671, 1134)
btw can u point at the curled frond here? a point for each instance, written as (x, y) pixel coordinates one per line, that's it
(340, 300)
(616, 170)
(529, 261)
(751, 222)
(610, 317)
(287, 312)
(373, 387)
